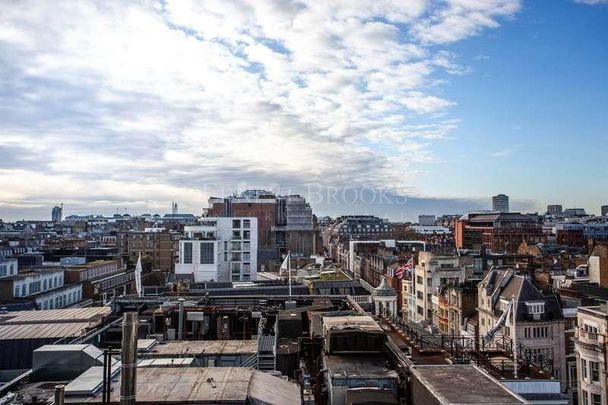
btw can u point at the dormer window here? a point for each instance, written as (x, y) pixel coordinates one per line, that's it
(536, 309)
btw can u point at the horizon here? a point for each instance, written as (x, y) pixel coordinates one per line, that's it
(432, 106)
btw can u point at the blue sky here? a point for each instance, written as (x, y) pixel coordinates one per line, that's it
(534, 110)
(423, 106)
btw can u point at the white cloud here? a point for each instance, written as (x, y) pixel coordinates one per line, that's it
(154, 101)
(592, 2)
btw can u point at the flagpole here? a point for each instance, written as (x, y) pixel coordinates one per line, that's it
(514, 338)
(289, 270)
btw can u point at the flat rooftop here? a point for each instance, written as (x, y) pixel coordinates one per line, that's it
(463, 384)
(211, 385)
(358, 366)
(48, 324)
(354, 323)
(203, 347)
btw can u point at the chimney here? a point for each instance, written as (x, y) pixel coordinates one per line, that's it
(128, 358)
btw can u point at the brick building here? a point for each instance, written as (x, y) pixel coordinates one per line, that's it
(497, 232)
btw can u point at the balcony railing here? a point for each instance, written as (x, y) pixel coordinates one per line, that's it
(594, 338)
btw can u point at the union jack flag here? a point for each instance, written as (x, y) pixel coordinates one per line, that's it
(400, 271)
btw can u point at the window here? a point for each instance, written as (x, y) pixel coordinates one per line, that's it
(16, 291)
(23, 290)
(246, 223)
(45, 285)
(420, 295)
(246, 267)
(246, 256)
(236, 223)
(584, 397)
(420, 310)
(584, 368)
(3, 270)
(188, 252)
(596, 399)
(207, 254)
(595, 371)
(246, 245)
(236, 234)
(419, 280)
(246, 234)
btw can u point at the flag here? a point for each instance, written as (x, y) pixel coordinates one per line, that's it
(489, 336)
(138, 287)
(285, 264)
(400, 271)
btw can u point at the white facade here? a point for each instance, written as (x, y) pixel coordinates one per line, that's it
(47, 289)
(431, 272)
(8, 267)
(220, 249)
(590, 344)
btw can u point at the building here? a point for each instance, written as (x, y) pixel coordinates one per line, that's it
(362, 227)
(604, 210)
(539, 322)
(591, 354)
(554, 209)
(430, 273)
(220, 249)
(453, 305)
(44, 287)
(57, 213)
(597, 265)
(574, 213)
(497, 232)
(8, 267)
(101, 279)
(285, 223)
(500, 203)
(156, 245)
(426, 220)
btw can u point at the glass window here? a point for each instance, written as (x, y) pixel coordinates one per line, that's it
(585, 397)
(246, 223)
(207, 253)
(188, 252)
(584, 368)
(596, 399)
(236, 223)
(246, 234)
(595, 370)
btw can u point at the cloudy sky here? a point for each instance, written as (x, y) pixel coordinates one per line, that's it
(394, 108)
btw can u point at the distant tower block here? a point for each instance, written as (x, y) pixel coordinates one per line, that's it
(57, 213)
(174, 208)
(500, 203)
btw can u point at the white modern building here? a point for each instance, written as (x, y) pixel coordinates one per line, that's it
(220, 249)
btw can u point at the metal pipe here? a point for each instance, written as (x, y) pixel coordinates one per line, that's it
(128, 358)
(59, 394)
(180, 323)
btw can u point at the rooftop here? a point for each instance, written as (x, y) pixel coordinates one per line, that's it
(468, 385)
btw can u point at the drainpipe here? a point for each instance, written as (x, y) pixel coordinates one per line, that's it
(128, 358)
(180, 323)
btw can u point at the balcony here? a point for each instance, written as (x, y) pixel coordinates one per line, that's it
(589, 338)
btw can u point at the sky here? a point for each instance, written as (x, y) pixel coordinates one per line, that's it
(388, 108)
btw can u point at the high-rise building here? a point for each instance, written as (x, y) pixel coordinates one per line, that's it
(500, 203)
(426, 220)
(554, 209)
(174, 208)
(604, 210)
(57, 213)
